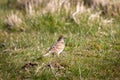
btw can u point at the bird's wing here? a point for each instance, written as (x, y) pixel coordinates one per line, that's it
(52, 49)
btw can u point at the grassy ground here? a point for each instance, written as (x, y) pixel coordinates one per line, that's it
(90, 53)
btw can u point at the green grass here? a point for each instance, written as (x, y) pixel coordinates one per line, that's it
(87, 55)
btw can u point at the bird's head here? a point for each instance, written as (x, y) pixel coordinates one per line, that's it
(60, 38)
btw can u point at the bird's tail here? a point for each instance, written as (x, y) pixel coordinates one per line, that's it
(46, 54)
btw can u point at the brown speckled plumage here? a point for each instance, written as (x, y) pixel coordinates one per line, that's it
(57, 47)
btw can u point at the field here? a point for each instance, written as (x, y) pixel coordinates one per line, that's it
(92, 41)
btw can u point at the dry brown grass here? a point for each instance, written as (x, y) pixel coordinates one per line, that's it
(12, 20)
(112, 9)
(28, 5)
(108, 7)
(25, 3)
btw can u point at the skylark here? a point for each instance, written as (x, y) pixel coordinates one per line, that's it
(57, 47)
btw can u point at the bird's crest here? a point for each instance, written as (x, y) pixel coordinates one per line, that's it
(60, 37)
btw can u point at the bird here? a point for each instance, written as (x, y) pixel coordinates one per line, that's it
(57, 47)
